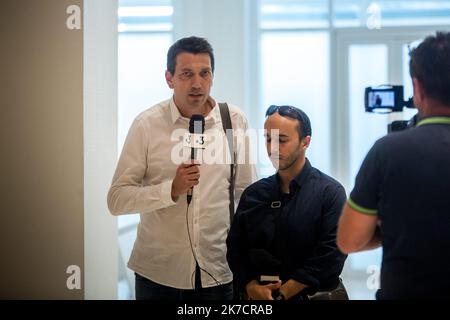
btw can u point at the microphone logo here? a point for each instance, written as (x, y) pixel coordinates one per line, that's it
(196, 140)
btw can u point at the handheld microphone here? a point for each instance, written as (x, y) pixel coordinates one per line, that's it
(196, 126)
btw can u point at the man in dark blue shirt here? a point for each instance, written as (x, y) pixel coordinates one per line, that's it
(401, 195)
(285, 225)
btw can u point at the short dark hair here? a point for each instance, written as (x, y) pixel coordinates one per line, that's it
(193, 45)
(430, 64)
(304, 125)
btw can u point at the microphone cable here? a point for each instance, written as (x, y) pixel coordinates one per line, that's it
(193, 253)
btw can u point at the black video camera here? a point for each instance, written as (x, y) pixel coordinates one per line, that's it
(389, 99)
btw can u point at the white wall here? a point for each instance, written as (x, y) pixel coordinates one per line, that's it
(100, 147)
(41, 163)
(222, 22)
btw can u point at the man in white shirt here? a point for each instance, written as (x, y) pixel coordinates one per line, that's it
(180, 250)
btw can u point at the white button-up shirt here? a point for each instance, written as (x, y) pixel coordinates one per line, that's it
(142, 184)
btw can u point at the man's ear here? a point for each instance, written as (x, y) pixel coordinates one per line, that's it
(305, 142)
(169, 78)
(419, 92)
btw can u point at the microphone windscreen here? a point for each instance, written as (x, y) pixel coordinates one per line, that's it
(197, 124)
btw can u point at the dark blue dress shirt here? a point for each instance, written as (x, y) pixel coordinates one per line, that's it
(290, 235)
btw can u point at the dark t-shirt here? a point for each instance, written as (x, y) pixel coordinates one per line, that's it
(405, 180)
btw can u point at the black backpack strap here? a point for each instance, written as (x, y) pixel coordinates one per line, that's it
(228, 129)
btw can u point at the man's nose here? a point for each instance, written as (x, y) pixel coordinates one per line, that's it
(273, 149)
(196, 82)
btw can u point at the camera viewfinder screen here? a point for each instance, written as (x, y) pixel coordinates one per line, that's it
(381, 99)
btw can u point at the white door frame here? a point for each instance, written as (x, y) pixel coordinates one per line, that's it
(341, 40)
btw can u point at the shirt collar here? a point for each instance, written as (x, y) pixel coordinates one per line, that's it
(303, 175)
(300, 179)
(174, 112)
(434, 120)
(213, 116)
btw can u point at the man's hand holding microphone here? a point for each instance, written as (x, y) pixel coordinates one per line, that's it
(188, 174)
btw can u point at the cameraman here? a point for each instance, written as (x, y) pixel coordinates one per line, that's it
(401, 198)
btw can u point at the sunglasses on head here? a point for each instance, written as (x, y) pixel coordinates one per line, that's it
(286, 111)
(293, 113)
